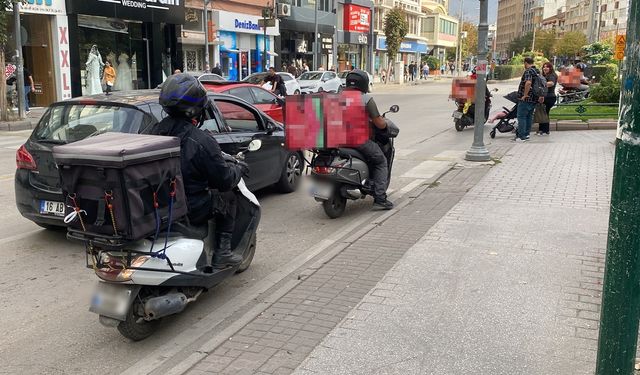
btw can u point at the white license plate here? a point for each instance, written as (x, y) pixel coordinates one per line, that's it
(52, 208)
(111, 300)
(322, 191)
(457, 115)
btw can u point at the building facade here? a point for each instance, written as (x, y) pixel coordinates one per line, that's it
(354, 35)
(510, 23)
(577, 16)
(555, 23)
(438, 28)
(613, 18)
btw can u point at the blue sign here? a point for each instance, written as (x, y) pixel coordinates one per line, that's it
(247, 25)
(409, 46)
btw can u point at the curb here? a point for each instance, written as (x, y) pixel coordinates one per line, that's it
(561, 125)
(16, 125)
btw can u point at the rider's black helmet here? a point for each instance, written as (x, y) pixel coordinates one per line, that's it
(358, 79)
(183, 95)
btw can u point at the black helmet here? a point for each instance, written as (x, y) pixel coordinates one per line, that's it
(358, 79)
(183, 95)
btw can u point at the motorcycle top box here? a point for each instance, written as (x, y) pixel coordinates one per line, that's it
(121, 185)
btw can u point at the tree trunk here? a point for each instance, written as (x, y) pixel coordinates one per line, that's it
(389, 65)
(4, 112)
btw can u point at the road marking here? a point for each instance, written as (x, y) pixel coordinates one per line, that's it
(427, 169)
(19, 237)
(7, 177)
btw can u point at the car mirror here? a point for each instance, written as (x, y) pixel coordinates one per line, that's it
(271, 127)
(254, 145)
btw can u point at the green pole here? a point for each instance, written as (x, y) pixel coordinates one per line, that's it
(621, 293)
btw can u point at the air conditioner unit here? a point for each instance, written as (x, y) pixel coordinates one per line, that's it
(284, 10)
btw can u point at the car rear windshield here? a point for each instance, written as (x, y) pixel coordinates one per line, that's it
(310, 76)
(255, 79)
(71, 123)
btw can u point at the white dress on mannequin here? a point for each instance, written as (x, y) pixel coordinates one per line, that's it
(94, 66)
(123, 77)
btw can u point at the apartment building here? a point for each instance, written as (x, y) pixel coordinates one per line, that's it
(613, 18)
(577, 16)
(510, 23)
(439, 29)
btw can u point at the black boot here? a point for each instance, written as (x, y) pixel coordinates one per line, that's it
(222, 256)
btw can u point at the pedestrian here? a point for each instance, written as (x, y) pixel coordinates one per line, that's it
(177, 71)
(451, 68)
(305, 67)
(425, 70)
(108, 77)
(292, 70)
(321, 68)
(277, 83)
(28, 87)
(550, 99)
(526, 100)
(442, 68)
(216, 70)
(406, 73)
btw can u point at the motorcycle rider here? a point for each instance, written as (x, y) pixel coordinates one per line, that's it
(203, 166)
(357, 79)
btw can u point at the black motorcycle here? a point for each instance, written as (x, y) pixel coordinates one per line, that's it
(339, 174)
(464, 115)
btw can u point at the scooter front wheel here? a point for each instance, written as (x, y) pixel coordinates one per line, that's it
(248, 256)
(135, 328)
(334, 206)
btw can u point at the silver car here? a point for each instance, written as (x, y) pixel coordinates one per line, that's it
(343, 79)
(319, 81)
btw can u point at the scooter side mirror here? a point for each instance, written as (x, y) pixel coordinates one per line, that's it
(495, 90)
(394, 108)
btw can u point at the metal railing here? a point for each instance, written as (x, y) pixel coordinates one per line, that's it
(585, 110)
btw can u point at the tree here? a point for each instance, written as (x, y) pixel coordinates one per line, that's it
(4, 40)
(571, 44)
(598, 53)
(520, 44)
(545, 42)
(470, 43)
(395, 29)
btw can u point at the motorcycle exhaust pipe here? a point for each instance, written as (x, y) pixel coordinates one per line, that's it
(169, 304)
(354, 194)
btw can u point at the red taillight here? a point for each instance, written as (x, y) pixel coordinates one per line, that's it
(24, 160)
(324, 170)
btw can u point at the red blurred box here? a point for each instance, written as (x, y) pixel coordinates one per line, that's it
(570, 77)
(326, 121)
(463, 89)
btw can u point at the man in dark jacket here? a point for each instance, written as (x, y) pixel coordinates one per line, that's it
(216, 70)
(202, 164)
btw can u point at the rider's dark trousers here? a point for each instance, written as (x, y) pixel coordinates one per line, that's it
(379, 169)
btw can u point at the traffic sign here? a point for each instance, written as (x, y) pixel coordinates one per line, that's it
(621, 42)
(619, 55)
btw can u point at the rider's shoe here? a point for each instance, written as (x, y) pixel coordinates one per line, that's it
(223, 257)
(382, 204)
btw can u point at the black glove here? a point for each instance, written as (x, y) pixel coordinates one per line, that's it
(243, 167)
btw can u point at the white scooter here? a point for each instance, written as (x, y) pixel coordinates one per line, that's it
(138, 287)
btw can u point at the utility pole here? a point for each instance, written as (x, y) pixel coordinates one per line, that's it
(478, 151)
(315, 36)
(20, 68)
(459, 49)
(207, 67)
(621, 290)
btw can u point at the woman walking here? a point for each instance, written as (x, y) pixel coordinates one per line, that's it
(550, 99)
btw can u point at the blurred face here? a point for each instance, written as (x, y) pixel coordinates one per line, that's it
(272, 72)
(546, 69)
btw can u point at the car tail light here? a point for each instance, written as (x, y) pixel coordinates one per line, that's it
(24, 160)
(113, 268)
(324, 170)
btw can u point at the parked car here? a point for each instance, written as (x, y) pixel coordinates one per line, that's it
(290, 83)
(230, 120)
(210, 77)
(343, 79)
(319, 81)
(265, 100)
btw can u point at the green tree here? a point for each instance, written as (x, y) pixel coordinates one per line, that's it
(395, 29)
(570, 44)
(598, 53)
(520, 44)
(470, 43)
(4, 40)
(545, 42)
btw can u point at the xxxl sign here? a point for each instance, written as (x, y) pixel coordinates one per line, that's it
(167, 11)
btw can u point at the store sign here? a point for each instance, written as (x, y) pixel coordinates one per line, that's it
(62, 40)
(242, 23)
(167, 11)
(357, 18)
(356, 38)
(408, 46)
(44, 7)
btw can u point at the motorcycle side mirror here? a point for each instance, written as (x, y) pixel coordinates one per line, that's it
(394, 108)
(254, 145)
(495, 90)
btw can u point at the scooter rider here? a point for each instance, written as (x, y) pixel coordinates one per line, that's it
(203, 166)
(359, 80)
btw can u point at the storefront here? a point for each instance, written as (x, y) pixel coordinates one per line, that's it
(241, 44)
(355, 37)
(45, 49)
(138, 38)
(410, 50)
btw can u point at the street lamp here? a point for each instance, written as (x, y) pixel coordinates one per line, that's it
(478, 151)
(20, 68)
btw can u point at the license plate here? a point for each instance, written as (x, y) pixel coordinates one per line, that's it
(52, 208)
(457, 115)
(111, 300)
(322, 191)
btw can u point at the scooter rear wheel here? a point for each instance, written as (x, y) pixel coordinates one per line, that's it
(459, 125)
(248, 257)
(134, 327)
(334, 207)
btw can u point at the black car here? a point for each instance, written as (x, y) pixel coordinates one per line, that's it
(231, 121)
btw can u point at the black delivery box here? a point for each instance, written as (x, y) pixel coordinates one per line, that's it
(123, 184)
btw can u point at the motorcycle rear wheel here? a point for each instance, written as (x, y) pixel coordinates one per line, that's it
(248, 257)
(334, 207)
(134, 327)
(459, 125)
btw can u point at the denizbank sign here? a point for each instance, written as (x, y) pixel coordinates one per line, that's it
(165, 11)
(242, 23)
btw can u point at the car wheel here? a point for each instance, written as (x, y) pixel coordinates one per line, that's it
(291, 173)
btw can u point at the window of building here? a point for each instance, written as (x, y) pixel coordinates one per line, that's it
(193, 19)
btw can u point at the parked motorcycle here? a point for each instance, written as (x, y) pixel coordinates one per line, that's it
(339, 174)
(464, 115)
(138, 287)
(568, 95)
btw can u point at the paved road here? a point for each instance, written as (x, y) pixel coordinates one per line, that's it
(45, 288)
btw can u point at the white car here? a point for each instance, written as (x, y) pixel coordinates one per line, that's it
(318, 81)
(343, 79)
(290, 83)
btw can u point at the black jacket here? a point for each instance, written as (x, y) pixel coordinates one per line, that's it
(202, 165)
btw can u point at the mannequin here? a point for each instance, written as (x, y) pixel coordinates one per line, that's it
(94, 66)
(123, 80)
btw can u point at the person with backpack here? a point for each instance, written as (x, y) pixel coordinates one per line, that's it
(530, 89)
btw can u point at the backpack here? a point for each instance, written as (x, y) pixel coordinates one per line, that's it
(539, 85)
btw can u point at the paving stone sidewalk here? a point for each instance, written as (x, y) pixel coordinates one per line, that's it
(278, 340)
(507, 282)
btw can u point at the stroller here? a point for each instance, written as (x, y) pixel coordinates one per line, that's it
(507, 117)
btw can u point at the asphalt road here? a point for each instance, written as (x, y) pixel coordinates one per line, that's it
(45, 324)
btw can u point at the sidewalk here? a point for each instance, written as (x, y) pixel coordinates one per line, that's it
(28, 123)
(507, 282)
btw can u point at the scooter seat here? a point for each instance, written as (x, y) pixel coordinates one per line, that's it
(352, 152)
(198, 232)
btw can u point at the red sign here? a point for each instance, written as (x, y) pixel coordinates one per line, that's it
(357, 18)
